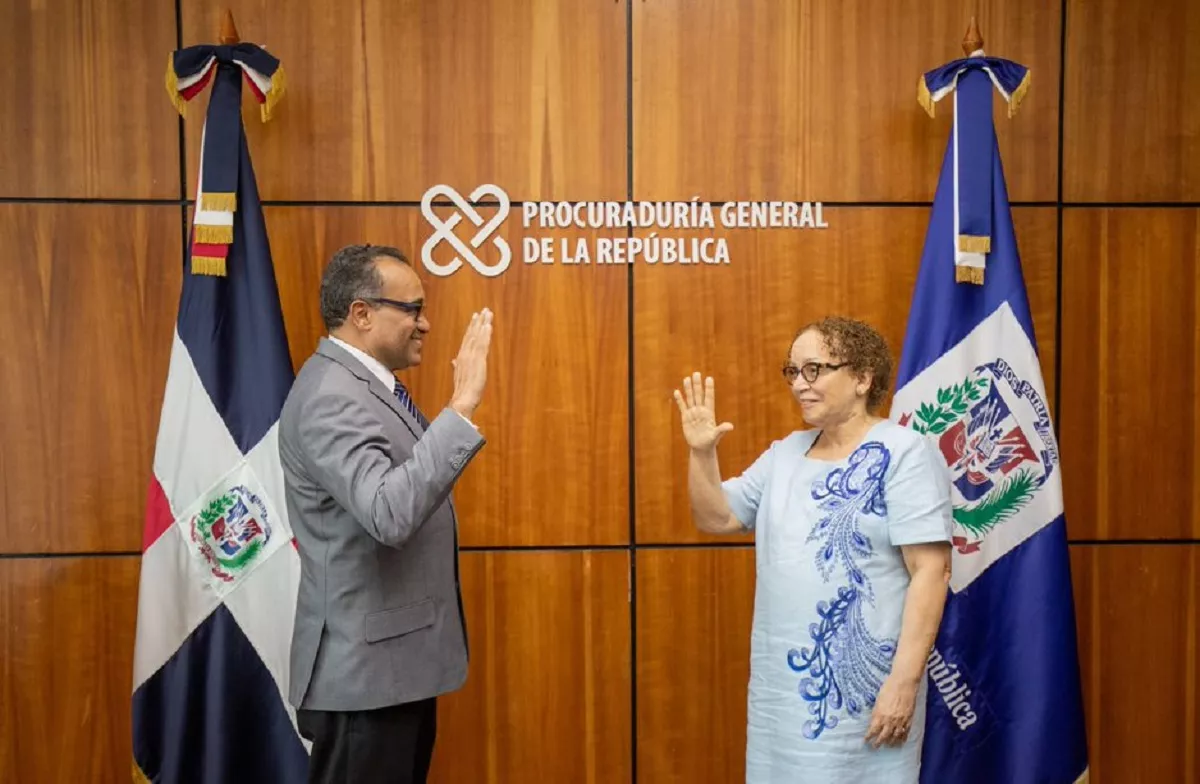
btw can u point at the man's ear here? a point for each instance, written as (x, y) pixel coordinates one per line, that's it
(360, 314)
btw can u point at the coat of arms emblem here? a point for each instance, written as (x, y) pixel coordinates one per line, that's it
(231, 531)
(993, 429)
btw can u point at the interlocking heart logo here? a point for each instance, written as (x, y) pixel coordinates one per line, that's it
(443, 231)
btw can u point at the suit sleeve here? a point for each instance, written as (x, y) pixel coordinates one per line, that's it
(348, 454)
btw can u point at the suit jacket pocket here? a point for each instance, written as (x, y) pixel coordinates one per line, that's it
(386, 624)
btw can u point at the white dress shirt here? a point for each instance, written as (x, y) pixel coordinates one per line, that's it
(379, 369)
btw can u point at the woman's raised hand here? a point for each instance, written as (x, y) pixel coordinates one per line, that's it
(697, 409)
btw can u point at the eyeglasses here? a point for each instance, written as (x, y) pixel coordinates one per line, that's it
(810, 370)
(414, 308)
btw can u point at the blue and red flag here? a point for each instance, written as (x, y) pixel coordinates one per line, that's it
(1004, 696)
(219, 572)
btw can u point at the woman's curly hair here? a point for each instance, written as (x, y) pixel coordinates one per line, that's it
(861, 347)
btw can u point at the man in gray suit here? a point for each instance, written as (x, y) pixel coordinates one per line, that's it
(379, 628)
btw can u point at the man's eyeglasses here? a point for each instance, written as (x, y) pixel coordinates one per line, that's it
(810, 370)
(414, 308)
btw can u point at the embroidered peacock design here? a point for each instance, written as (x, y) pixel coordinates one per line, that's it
(846, 665)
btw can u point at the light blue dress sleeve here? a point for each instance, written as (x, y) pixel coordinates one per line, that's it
(918, 496)
(745, 492)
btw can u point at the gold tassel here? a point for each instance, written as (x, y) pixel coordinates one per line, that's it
(137, 776)
(275, 94)
(208, 265)
(1083, 778)
(923, 96)
(1014, 100)
(214, 235)
(968, 243)
(172, 84)
(963, 274)
(219, 202)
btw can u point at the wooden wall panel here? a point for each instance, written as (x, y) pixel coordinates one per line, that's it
(1137, 609)
(736, 323)
(1132, 109)
(693, 662)
(83, 112)
(91, 294)
(555, 470)
(1131, 372)
(387, 99)
(548, 694)
(813, 100)
(66, 648)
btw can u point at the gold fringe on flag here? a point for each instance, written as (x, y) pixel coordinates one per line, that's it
(963, 274)
(214, 235)
(218, 202)
(172, 84)
(275, 94)
(1014, 100)
(923, 96)
(137, 776)
(968, 243)
(208, 265)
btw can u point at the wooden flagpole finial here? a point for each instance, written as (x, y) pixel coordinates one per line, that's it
(229, 34)
(973, 40)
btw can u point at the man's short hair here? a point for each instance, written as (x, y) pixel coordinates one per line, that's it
(351, 274)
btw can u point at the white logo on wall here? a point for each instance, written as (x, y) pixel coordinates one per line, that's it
(444, 231)
(648, 249)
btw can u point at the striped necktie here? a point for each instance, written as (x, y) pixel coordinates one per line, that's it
(406, 400)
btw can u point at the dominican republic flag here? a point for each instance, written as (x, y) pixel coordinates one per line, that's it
(219, 572)
(1004, 700)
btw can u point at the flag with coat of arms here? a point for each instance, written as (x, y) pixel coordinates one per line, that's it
(219, 571)
(1004, 701)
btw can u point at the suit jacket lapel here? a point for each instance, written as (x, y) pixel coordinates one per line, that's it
(389, 397)
(335, 352)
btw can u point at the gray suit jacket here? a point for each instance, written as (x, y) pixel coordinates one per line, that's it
(379, 611)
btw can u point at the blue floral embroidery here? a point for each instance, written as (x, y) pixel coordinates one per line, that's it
(844, 495)
(847, 665)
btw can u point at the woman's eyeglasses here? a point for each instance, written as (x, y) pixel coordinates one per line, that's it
(810, 370)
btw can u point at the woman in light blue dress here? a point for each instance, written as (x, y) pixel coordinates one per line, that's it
(852, 536)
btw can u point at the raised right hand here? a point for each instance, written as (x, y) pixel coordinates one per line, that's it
(470, 366)
(697, 407)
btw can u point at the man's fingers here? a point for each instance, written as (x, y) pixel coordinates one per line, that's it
(472, 336)
(710, 393)
(698, 383)
(468, 335)
(482, 332)
(688, 397)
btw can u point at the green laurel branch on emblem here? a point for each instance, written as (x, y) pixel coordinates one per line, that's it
(998, 505)
(952, 403)
(211, 513)
(208, 516)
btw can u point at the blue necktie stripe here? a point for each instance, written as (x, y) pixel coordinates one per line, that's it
(406, 400)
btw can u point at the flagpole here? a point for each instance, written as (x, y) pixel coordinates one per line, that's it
(227, 35)
(973, 40)
(969, 378)
(219, 570)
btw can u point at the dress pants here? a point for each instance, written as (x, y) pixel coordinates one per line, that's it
(390, 745)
